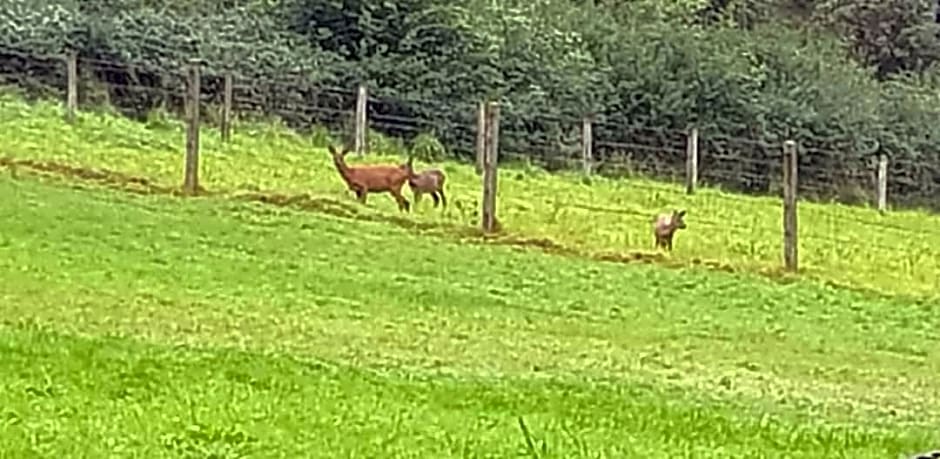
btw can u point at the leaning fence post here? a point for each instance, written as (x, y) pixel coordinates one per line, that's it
(71, 99)
(691, 161)
(790, 226)
(191, 167)
(491, 160)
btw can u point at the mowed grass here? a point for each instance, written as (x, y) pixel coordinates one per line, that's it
(153, 326)
(893, 253)
(75, 397)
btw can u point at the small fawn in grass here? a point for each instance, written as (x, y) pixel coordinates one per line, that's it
(364, 179)
(431, 182)
(665, 226)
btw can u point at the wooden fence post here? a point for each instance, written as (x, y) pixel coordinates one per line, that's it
(882, 183)
(587, 144)
(191, 171)
(481, 137)
(790, 181)
(691, 161)
(226, 122)
(71, 100)
(360, 145)
(491, 160)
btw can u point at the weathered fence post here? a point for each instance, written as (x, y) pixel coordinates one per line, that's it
(481, 137)
(71, 100)
(790, 181)
(226, 122)
(191, 172)
(490, 162)
(587, 143)
(882, 182)
(691, 161)
(360, 146)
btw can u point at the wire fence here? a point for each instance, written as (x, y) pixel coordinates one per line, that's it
(618, 147)
(615, 148)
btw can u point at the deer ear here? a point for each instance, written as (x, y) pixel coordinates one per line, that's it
(681, 213)
(331, 149)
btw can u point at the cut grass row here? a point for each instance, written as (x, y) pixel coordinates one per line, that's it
(442, 345)
(893, 253)
(81, 397)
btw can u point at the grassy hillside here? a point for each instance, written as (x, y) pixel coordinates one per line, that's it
(157, 326)
(894, 253)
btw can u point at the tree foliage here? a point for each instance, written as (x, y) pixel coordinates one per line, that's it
(891, 36)
(848, 79)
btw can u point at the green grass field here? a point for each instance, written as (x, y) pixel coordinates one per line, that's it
(895, 253)
(153, 326)
(138, 324)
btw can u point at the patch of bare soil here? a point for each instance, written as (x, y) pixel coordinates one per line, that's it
(111, 179)
(350, 210)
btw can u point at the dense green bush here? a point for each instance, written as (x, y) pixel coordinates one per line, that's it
(129, 48)
(648, 70)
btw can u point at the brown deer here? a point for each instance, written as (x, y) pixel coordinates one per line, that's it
(665, 226)
(373, 178)
(430, 181)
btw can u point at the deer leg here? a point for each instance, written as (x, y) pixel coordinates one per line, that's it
(402, 202)
(435, 198)
(669, 244)
(417, 197)
(360, 194)
(443, 198)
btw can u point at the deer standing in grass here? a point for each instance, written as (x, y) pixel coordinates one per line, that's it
(430, 181)
(665, 226)
(373, 178)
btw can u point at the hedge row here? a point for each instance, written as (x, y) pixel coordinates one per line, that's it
(550, 62)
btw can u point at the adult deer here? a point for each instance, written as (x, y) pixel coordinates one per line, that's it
(376, 178)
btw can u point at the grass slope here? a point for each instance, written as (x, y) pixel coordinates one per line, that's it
(74, 397)
(147, 325)
(894, 253)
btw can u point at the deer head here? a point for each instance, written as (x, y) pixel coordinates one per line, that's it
(677, 219)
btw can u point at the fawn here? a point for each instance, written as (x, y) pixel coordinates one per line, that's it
(373, 178)
(430, 181)
(665, 226)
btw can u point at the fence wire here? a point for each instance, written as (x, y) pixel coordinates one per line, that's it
(553, 142)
